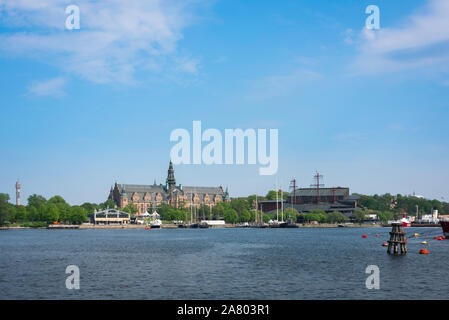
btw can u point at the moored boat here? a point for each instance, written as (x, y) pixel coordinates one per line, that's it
(288, 224)
(156, 224)
(445, 226)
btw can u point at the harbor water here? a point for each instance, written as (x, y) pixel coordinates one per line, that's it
(231, 263)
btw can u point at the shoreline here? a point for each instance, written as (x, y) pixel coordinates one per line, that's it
(175, 226)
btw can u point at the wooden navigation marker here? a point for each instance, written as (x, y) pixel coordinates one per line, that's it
(397, 239)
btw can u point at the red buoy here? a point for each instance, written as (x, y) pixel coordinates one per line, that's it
(364, 236)
(377, 234)
(384, 244)
(423, 251)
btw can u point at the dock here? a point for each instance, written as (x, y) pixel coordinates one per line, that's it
(63, 226)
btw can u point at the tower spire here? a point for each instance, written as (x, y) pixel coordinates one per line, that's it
(171, 181)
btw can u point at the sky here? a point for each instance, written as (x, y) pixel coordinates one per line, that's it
(84, 108)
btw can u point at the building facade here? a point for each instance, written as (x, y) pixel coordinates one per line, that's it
(308, 199)
(145, 197)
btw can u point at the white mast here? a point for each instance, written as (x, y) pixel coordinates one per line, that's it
(282, 205)
(277, 201)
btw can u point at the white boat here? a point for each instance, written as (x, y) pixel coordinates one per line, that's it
(155, 224)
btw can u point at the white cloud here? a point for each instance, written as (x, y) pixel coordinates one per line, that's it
(116, 38)
(52, 87)
(421, 41)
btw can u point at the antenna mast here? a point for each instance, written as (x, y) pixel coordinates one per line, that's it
(317, 177)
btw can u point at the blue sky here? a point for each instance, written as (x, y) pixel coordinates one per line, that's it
(82, 109)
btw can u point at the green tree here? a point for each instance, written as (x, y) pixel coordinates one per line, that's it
(230, 216)
(21, 213)
(107, 204)
(131, 208)
(359, 215)
(266, 218)
(36, 201)
(219, 209)
(336, 216)
(271, 195)
(32, 214)
(12, 213)
(4, 208)
(245, 216)
(90, 207)
(291, 213)
(77, 214)
(52, 213)
(56, 200)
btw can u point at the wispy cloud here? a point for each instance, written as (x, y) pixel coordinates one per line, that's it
(421, 41)
(114, 41)
(52, 87)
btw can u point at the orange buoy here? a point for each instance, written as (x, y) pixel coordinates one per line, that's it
(423, 251)
(364, 236)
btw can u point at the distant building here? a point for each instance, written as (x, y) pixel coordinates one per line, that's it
(148, 196)
(307, 199)
(109, 216)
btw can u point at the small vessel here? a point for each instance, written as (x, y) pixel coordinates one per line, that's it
(204, 225)
(156, 224)
(288, 224)
(445, 226)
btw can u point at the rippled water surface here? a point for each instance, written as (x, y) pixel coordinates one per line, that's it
(305, 263)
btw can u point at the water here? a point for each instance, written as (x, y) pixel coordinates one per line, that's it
(305, 263)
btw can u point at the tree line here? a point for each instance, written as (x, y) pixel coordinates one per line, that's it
(39, 212)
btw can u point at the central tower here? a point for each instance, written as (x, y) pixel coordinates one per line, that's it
(170, 183)
(18, 189)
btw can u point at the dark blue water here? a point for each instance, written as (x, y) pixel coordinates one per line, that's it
(219, 264)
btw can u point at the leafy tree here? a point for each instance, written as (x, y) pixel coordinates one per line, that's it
(77, 214)
(52, 213)
(131, 208)
(291, 213)
(230, 216)
(359, 215)
(36, 201)
(90, 207)
(12, 213)
(271, 195)
(336, 216)
(32, 214)
(21, 213)
(219, 209)
(107, 204)
(245, 216)
(56, 200)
